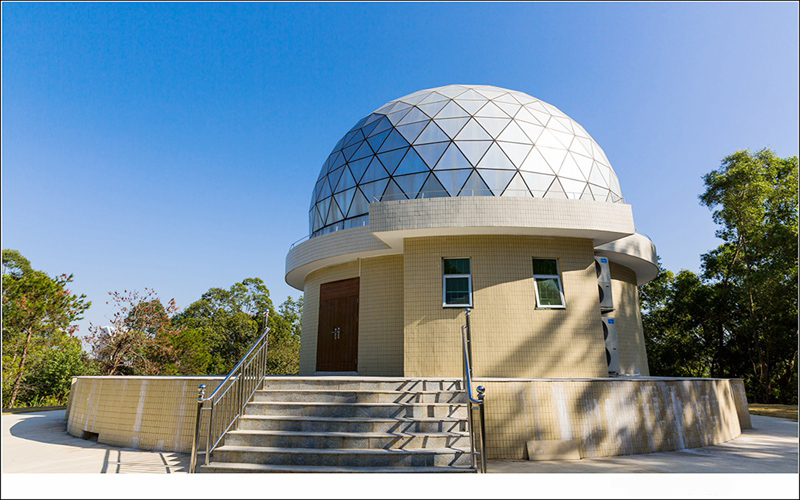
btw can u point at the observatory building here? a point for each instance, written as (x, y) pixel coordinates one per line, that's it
(470, 196)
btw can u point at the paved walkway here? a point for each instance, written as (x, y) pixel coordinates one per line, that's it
(38, 442)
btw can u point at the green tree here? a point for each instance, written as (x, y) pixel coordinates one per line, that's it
(37, 311)
(50, 378)
(229, 321)
(754, 199)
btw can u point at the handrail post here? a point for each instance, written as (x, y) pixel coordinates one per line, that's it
(481, 390)
(201, 392)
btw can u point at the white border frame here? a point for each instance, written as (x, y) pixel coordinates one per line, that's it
(444, 280)
(558, 280)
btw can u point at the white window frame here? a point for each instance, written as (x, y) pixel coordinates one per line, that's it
(444, 283)
(557, 277)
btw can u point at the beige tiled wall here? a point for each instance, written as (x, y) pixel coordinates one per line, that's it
(609, 417)
(627, 316)
(148, 413)
(511, 337)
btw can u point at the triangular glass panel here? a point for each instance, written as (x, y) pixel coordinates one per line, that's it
(431, 153)
(414, 98)
(569, 168)
(579, 130)
(334, 176)
(318, 223)
(431, 109)
(451, 126)
(471, 107)
(599, 193)
(587, 194)
(396, 117)
(334, 214)
(432, 133)
(452, 159)
(554, 110)
(523, 98)
(375, 171)
(352, 137)
(415, 115)
(358, 167)
(508, 108)
(491, 110)
(490, 94)
(614, 184)
(394, 141)
(475, 186)
(360, 205)
(584, 163)
(493, 125)
(507, 98)
(399, 106)
(515, 152)
(393, 192)
(577, 147)
(325, 189)
(322, 207)
(495, 158)
(350, 150)
(391, 159)
(572, 187)
(433, 97)
(473, 132)
(374, 190)
(344, 198)
(517, 187)
(452, 180)
(432, 189)
(586, 143)
(412, 130)
(526, 116)
(537, 183)
(554, 157)
(566, 123)
(513, 133)
(362, 152)
(369, 127)
(471, 94)
(536, 105)
(564, 138)
(377, 140)
(383, 125)
(411, 164)
(543, 118)
(346, 181)
(473, 150)
(548, 140)
(596, 178)
(599, 155)
(535, 162)
(373, 117)
(385, 108)
(411, 184)
(555, 124)
(615, 198)
(555, 191)
(532, 131)
(451, 110)
(451, 91)
(605, 172)
(497, 180)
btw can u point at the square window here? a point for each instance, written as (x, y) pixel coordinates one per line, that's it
(547, 284)
(456, 283)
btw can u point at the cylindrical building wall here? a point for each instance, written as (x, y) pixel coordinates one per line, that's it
(630, 337)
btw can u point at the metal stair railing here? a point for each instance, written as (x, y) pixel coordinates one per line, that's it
(226, 404)
(466, 343)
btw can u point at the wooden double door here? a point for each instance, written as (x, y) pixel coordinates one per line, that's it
(337, 333)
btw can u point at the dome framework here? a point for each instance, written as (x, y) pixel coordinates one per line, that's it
(458, 140)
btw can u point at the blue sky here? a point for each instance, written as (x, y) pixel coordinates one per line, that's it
(175, 146)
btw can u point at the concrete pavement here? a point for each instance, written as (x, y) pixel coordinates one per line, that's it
(38, 442)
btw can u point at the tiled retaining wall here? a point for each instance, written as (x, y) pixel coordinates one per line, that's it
(605, 417)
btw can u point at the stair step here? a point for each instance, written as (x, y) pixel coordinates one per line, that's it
(347, 440)
(248, 467)
(355, 409)
(358, 396)
(351, 424)
(371, 457)
(371, 383)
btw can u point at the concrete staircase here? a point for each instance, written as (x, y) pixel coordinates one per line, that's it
(349, 424)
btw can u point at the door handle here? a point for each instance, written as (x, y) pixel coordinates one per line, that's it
(337, 333)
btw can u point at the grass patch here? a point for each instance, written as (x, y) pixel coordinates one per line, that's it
(780, 411)
(30, 409)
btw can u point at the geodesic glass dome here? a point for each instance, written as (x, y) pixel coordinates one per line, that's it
(458, 140)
